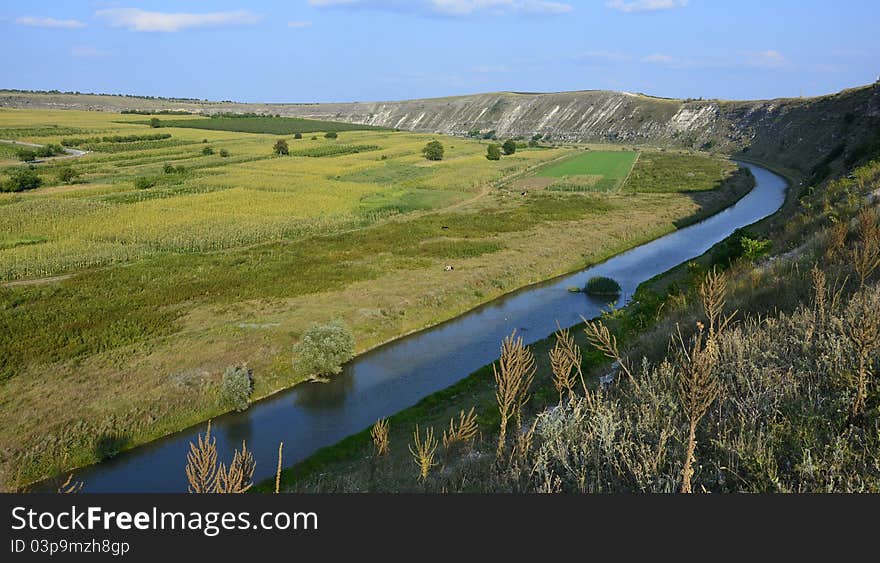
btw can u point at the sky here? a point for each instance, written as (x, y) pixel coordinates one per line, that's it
(365, 50)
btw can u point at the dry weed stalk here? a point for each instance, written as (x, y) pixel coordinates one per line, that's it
(70, 487)
(513, 377)
(711, 293)
(239, 477)
(697, 389)
(565, 360)
(380, 437)
(863, 330)
(865, 254)
(836, 240)
(423, 452)
(462, 434)
(820, 294)
(201, 464)
(602, 339)
(278, 470)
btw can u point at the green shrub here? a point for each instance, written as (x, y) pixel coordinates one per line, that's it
(27, 155)
(509, 146)
(168, 168)
(331, 135)
(144, 183)
(155, 123)
(433, 150)
(298, 136)
(50, 150)
(236, 387)
(224, 153)
(21, 180)
(493, 152)
(207, 151)
(754, 249)
(324, 348)
(67, 175)
(314, 138)
(601, 286)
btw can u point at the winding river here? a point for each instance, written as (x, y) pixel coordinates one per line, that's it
(399, 374)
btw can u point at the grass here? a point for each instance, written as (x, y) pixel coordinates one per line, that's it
(269, 125)
(677, 172)
(593, 171)
(167, 281)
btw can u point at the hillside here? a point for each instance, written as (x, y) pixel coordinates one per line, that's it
(797, 133)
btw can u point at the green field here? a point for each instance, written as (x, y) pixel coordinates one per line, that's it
(592, 171)
(270, 125)
(120, 308)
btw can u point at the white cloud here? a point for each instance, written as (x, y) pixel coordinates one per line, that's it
(454, 7)
(766, 59)
(88, 51)
(299, 24)
(135, 19)
(602, 56)
(658, 58)
(34, 21)
(645, 5)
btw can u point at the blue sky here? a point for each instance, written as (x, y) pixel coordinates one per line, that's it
(348, 50)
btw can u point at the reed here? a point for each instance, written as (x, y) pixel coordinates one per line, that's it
(461, 434)
(379, 434)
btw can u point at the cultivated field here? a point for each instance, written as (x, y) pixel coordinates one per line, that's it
(128, 291)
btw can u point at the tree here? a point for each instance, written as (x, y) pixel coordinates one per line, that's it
(281, 147)
(298, 136)
(509, 146)
(168, 168)
(324, 348)
(493, 152)
(433, 150)
(21, 180)
(224, 153)
(144, 183)
(331, 135)
(207, 151)
(68, 175)
(155, 123)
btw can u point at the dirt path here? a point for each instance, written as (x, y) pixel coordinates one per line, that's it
(37, 281)
(71, 153)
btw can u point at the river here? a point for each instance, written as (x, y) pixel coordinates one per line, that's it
(393, 377)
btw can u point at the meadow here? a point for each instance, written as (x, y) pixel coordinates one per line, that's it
(272, 125)
(121, 307)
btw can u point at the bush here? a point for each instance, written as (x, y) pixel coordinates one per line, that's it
(331, 135)
(509, 146)
(50, 150)
(433, 150)
(155, 123)
(324, 348)
(298, 136)
(493, 152)
(314, 138)
(224, 153)
(168, 168)
(207, 151)
(144, 183)
(281, 147)
(601, 286)
(23, 179)
(236, 388)
(27, 155)
(67, 175)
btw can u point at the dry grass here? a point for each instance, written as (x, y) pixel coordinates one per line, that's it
(205, 476)
(423, 452)
(565, 362)
(461, 435)
(379, 434)
(513, 377)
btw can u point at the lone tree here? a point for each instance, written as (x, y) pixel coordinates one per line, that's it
(298, 136)
(493, 152)
(331, 135)
(154, 123)
(433, 150)
(281, 147)
(509, 146)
